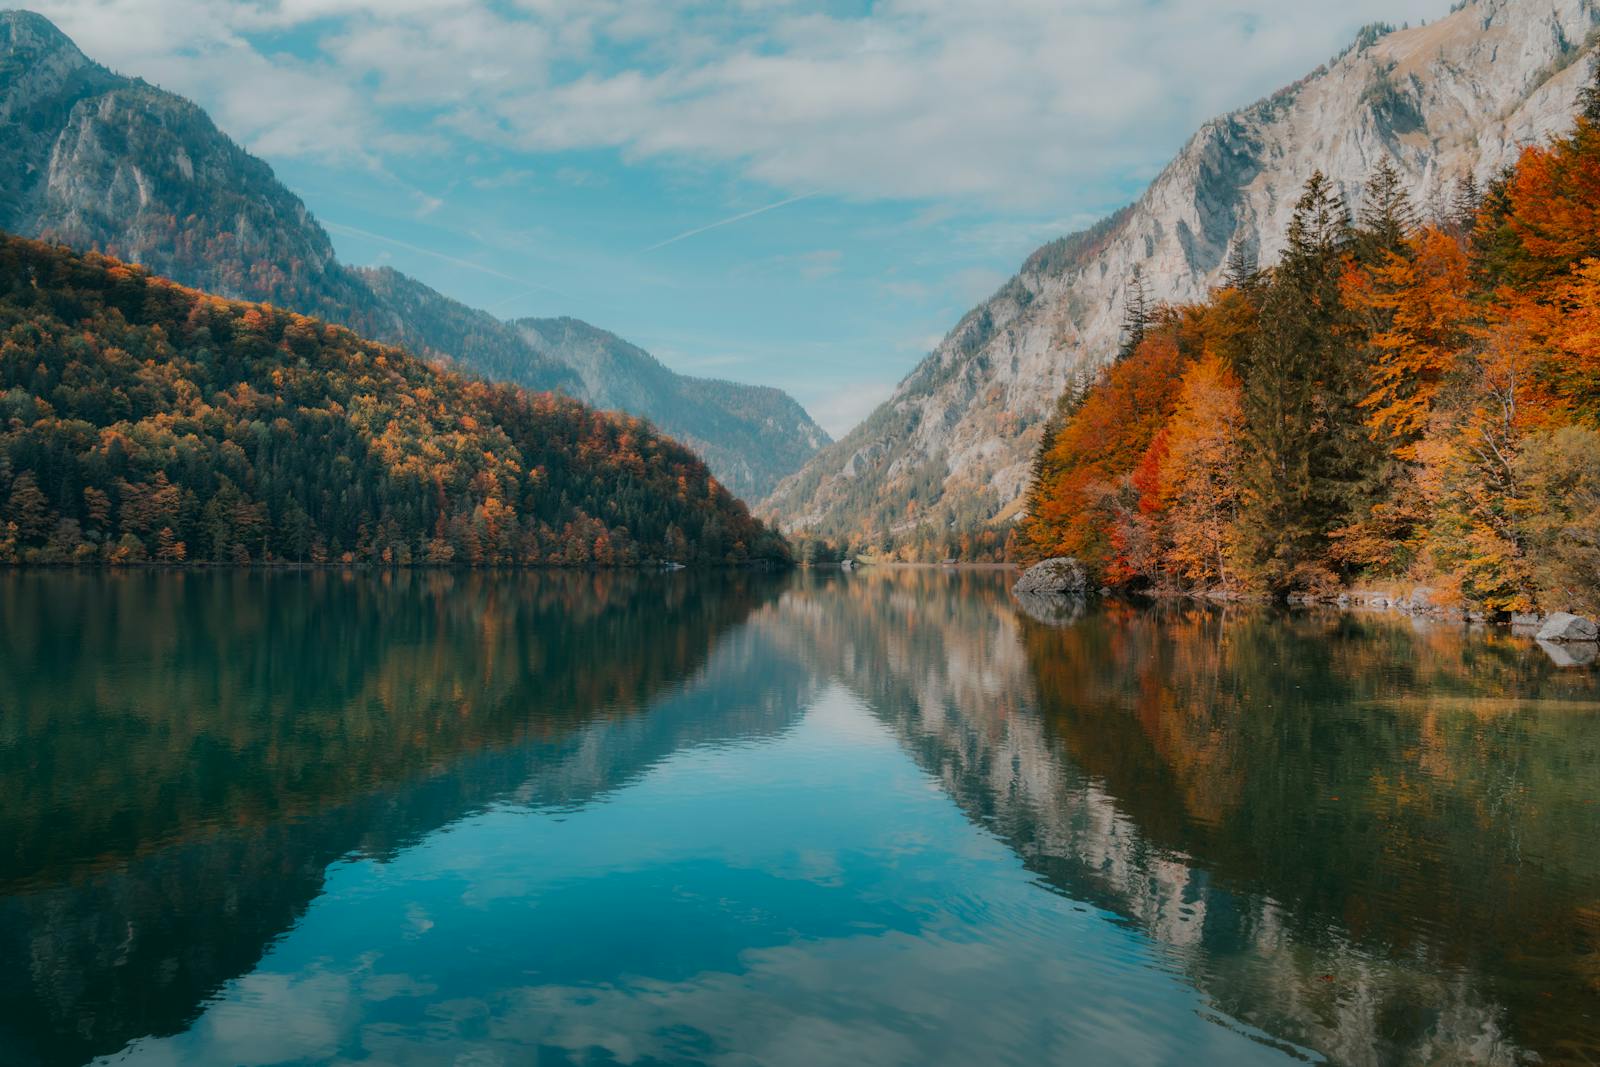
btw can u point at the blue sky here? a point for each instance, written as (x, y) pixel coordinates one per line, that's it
(885, 165)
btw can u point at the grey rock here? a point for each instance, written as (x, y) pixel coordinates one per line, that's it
(1062, 576)
(1564, 627)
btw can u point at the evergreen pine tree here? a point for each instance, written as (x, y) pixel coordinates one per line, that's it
(1310, 457)
(1464, 205)
(29, 508)
(1496, 247)
(1073, 395)
(1242, 271)
(1135, 313)
(1387, 214)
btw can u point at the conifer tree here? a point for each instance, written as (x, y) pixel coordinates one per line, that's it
(1387, 214)
(1464, 204)
(29, 508)
(1309, 453)
(1136, 313)
(1242, 271)
(1496, 248)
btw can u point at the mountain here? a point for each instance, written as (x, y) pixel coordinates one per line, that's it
(104, 162)
(951, 450)
(143, 420)
(750, 435)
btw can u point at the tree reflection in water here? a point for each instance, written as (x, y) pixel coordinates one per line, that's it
(1365, 836)
(1359, 836)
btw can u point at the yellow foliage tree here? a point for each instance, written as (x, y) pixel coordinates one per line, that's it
(1418, 302)
(1199, 488)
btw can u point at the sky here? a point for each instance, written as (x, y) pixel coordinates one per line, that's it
(804, 195)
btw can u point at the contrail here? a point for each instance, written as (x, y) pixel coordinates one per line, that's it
(730, 221)
(339, 227)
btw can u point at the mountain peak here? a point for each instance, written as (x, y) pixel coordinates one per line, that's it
(27, 34)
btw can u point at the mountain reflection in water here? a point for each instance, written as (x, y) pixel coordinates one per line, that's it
(882, 817)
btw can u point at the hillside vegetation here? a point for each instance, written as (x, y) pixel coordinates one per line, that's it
(141, 420)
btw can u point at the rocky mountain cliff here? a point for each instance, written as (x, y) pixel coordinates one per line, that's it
(100, 161)
(951, 449)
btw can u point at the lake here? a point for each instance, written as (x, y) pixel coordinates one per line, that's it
(880, 817)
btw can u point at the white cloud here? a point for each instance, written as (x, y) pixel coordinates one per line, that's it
(996, 105)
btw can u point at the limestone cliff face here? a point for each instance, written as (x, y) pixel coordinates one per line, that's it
(98, 161)
(953, 444)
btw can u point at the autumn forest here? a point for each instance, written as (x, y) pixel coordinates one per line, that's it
(1407, 396)
(143, 421)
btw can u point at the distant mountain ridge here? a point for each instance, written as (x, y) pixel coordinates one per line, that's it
(951, 450)
(99, 161)
(737, 428)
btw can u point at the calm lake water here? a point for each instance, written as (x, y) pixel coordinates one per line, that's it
(870, 818)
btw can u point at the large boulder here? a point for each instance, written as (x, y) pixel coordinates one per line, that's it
(1564, 627)
(1062, 576)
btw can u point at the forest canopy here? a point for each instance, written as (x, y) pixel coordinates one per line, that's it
(144, 421)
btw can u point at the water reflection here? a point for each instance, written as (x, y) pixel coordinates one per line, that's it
(1366, 837)
(889, 817)
(185, 754)
(1362, 835)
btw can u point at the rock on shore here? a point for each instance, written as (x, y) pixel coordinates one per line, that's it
(1062, 576)
(1563, 626)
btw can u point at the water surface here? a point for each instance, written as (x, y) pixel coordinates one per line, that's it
(872, 818)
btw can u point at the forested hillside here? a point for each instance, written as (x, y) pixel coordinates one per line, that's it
(99, 161)
(140, 420)
(1396, 399)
